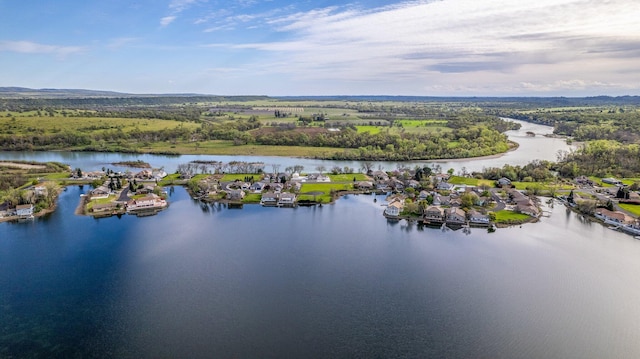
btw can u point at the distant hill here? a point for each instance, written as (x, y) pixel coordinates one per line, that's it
(542, 101)
(23, 92)
(56, 97)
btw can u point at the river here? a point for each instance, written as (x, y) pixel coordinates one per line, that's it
(538, 147)
(202, 281)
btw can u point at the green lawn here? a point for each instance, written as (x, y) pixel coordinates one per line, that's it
(348, 177)
(57, 124)
(506, 216)
(371, 129)
(470, 181)
(633, 208)
(324, 188)
(100, 201)
(252, 198)
(230, 177)
(169, 179)
(57, 176)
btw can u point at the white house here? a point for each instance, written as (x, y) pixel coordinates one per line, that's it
(269, 199)
(394, 208)
(148, 202)
(478, 218)
(24, 211)
(286, 199)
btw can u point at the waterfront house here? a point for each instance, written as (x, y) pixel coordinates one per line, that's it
(24, 211)
(364, 185)
(455, 215)
(286, 199)
(612, 217)
(104, 207)
(100, 192)
(434, 214)
(394, 208)
(235, 195)
(523, 203)
(478, 218)
(269, 199)
(151, 201)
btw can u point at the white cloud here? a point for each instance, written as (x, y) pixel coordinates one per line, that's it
(27, 47)
(503, 43)
(167, 20)
(181, 5)
(176, 7)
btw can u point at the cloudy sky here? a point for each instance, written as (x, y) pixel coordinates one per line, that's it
(324, 47)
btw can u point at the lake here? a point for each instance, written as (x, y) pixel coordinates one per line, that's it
(201, 281)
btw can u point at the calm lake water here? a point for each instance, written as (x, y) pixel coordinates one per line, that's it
(336, 281)
(202, 281)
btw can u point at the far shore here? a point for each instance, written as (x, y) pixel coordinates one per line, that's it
(514, 147)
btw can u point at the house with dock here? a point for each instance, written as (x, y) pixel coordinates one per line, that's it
(455, 215)
(287, 199)
(434, 214)
(149, 202)
(24, 211)
(394, 208)
(269, 199)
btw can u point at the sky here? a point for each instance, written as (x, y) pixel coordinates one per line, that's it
(324, 47)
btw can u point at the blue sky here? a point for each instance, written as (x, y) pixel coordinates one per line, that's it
(271, 47)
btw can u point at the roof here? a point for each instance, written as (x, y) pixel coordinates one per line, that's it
(396, 204)
(24, 206)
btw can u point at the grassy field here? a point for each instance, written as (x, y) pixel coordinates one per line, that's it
(633, 208)
(506, 216)
(370, 129)
(93, 202)
(51, 125)
(471, 181)
(230, 177)
(324, 188)
(348, 177)
(252, 198)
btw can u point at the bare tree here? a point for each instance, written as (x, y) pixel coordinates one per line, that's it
(366, 167)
